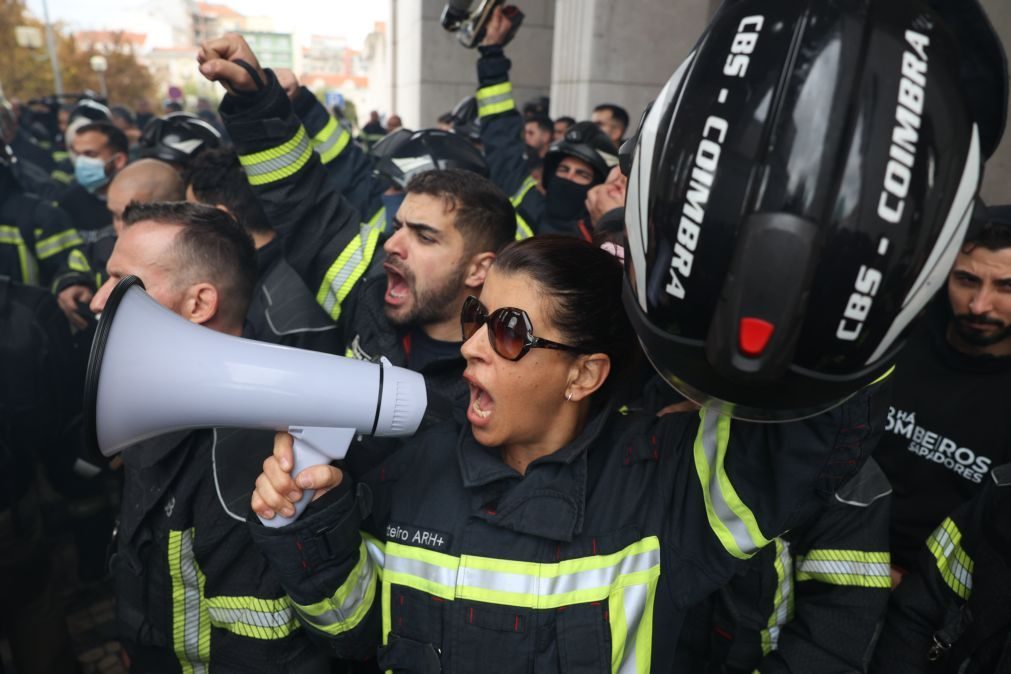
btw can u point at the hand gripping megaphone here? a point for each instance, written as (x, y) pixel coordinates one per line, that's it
(153, 372)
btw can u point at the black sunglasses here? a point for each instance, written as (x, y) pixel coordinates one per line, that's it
(509, 330)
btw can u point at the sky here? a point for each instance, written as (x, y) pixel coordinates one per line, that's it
(351, 19)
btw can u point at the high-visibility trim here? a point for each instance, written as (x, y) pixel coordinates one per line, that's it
(57, 243)
(191, 626)
(522, 584)
(495, 99)
(26, 261)
(264, 619)
(62, 177)
(378, 221)
(731, 520)
(278, 162)
(331, 141)
(78, 262)
(953, 562)
(60, 155)
(783, 600)
(346, 270)
(854, 568)
(349, 605)
(523, 229)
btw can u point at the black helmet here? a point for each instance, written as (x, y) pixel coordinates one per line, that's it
(466, 121)
(796, 195)
(404, 154)
(178, 137)
(90, 109)
(583, 141)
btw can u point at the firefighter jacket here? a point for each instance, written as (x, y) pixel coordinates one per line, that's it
(502, 137)
(86, 264)
(192, 594)
(952, 613)
(323, 238)
(36, 238)
(813, 601)
(36, 408)
(446, 559)
(283, 311)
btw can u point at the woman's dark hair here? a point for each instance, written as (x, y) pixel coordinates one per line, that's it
(584, 284)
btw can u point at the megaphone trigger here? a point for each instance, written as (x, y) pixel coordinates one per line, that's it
(313, 447)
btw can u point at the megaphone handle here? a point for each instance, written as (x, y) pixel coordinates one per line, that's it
(313, 447)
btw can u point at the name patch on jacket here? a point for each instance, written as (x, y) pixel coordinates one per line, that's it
(411, 535)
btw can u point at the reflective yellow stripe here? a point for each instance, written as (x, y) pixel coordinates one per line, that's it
(731, 520)
(57, 243)
(523, 230)
(26, 261)
(349, 605)
(378, 221)
(346, 270)
(846, 567)
(331, 141)
(61, 177)
(264, 619)
(495, 99)
(278, 162)
(783, 600)
(78, 262)
(953, 562)
(191, 626)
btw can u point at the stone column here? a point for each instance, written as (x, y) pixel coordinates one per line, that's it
(997, 180)
(432, 71)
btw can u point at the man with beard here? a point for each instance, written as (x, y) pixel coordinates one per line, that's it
(949, 422)
(445, 236)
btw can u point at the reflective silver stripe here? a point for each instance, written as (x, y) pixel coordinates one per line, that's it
(340, 614)
(93, 235)
(56, 243)
(192, 613)
(783, 609)
(953, 552)
(270, 620)
(419, 569)
(847, 567)
(344, 268)
(262, 164)
(634, 605)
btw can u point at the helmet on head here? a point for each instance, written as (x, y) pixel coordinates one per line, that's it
(91, 110)
(796, 195)
(466, 121)
(404, 154)
(583, 141)
(178, 137)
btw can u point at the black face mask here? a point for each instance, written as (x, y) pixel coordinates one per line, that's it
(566, 200)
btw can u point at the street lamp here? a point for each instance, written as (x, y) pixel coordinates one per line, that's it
(99, 64)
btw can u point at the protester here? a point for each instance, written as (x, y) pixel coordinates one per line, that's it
(100, 152)
(562, 124)
(613, 120)
(537, 133)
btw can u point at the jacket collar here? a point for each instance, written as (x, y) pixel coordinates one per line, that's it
(549, 501)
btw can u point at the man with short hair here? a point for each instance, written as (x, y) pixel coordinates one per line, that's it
(537, 133)
(282, 310)
(143, 181)
(562, 124)
(613, 120)
(949, 422)
(100, 152)
(191, 592)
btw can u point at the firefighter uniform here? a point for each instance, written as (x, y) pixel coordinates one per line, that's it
(192, 594)
(36, 238)
(448, 560)
(502, 137)
(953, 612)
(813, 601)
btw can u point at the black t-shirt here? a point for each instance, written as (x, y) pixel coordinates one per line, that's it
(949, 424)
(422, 350)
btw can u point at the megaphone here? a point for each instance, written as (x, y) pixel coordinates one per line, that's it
(153, 372)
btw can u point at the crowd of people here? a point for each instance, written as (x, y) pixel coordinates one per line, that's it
(650, 444)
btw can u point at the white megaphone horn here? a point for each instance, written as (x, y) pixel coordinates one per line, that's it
(153, 372)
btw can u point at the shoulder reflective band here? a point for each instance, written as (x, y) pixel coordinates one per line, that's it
(731, 520)
(349, 605)
(346, 270)
(331, 141)
(523, 229)
(783, 601)
(378, 221)
(846, 567)
(278, 162)
(953, 562)
(29, 267)
(496, 99)
(191, 626)
(253, 617)
(57, 243)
